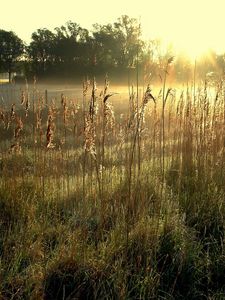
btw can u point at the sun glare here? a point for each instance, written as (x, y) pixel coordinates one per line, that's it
(193, 27)
(192, 50)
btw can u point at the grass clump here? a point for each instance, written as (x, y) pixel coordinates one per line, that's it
(104, 204)
(72, 280)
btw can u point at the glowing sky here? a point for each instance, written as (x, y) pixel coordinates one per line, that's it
(192, 25)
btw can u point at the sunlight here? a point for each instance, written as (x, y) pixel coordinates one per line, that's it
(192, 50)
(191, 26)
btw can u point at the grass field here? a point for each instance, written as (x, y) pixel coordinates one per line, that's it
(113, 201)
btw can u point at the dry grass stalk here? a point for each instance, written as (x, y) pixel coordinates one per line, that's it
(39, 118)
(22, 97)
(5, 118)
(13, 111)
(89, 137)
(86, 84)
(109, 115)
(90, 124)
(15, 148)
(50, 126)
(19, 127)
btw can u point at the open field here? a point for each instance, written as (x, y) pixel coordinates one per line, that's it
(11, 93)
(112, 192)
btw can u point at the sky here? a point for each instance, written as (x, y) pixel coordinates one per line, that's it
(192, 26)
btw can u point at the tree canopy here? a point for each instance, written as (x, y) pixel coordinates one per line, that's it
(71, 50)
(11, 49)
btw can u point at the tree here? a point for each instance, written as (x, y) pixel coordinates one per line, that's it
(71, 44)
(11, 49)
(129, 43)
(119, 43)
(41, 49)
(104, 45)
(151, 60)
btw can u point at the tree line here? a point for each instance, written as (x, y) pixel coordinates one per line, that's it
(71, 50)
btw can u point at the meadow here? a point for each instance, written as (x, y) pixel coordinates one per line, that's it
(104, 196)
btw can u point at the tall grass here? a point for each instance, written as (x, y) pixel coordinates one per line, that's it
(83, 212)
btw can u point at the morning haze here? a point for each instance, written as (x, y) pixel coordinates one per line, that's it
(112, 150)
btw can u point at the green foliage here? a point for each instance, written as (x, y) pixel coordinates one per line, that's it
(179, 263)
(12, 49)
(70, 280)
(195, 196)
(114, 48)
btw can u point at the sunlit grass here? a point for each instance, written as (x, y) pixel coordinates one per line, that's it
(104, 213)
